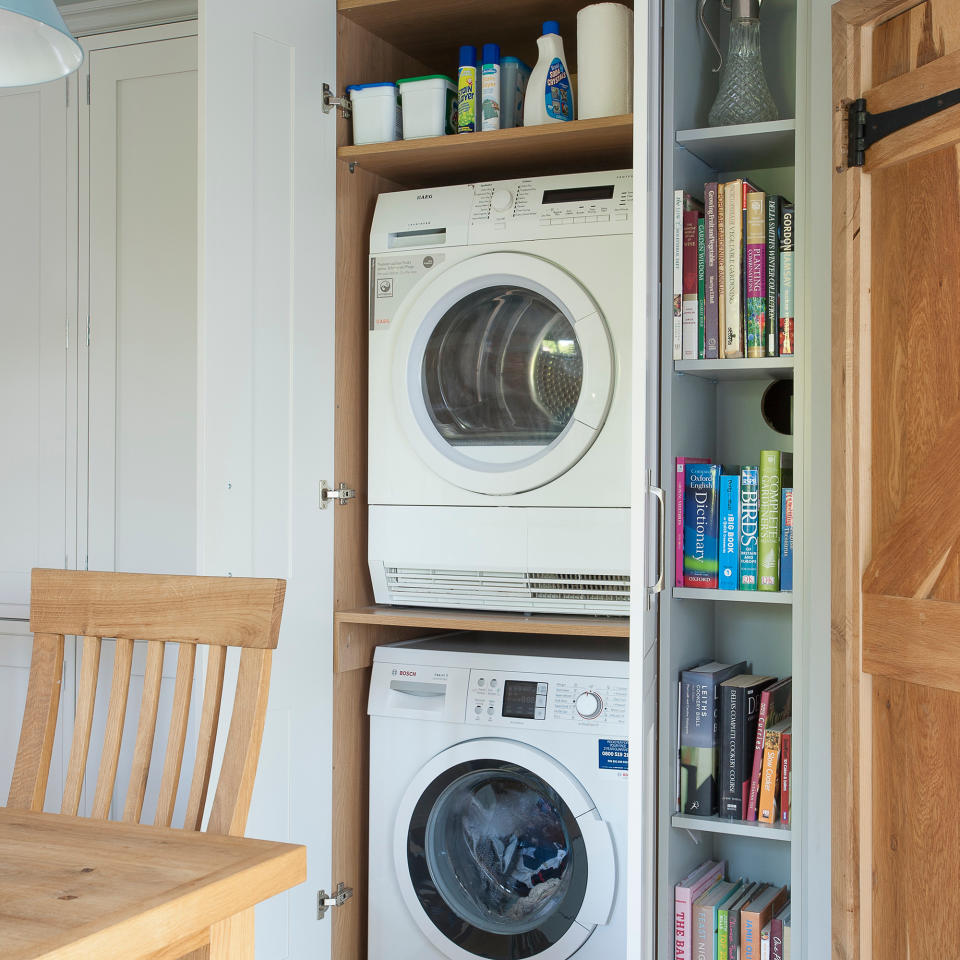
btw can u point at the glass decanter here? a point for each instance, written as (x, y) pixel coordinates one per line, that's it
(744, 96)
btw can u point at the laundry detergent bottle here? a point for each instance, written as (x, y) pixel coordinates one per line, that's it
(549, 98)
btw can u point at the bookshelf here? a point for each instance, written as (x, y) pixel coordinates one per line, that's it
(711, 408)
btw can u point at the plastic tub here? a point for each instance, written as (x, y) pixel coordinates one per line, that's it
(429, 106)
(376, 112)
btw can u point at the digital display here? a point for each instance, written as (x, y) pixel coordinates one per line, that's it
(519, 699)
(575, 194)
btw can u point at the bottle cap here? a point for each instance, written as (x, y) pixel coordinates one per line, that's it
(491, 53)
(468, 56)
(551, 26)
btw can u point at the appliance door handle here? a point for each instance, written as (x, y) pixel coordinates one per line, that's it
(662, 560)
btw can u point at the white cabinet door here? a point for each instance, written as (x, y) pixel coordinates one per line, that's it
(34, 319)
(267, 196)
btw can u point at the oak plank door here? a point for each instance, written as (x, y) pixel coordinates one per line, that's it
(896, 519)
(266, 385)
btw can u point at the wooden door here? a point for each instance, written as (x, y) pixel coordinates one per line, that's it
(896, 521)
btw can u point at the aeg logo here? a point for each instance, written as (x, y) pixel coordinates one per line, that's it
(424, 196)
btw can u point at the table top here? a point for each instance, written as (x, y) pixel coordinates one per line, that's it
(73, 888)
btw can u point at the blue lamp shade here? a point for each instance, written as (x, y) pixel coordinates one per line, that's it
(35, 44)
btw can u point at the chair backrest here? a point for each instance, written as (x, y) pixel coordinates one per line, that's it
(219, 612)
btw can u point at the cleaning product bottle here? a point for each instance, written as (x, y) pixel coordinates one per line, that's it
(490, 87)
(549, 98)
(467, 91)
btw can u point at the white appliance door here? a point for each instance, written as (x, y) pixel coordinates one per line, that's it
(504, 372)
(500, 853)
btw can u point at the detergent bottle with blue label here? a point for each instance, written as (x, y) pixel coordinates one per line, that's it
(549, 98)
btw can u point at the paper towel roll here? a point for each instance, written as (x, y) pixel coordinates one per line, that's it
(604, 60)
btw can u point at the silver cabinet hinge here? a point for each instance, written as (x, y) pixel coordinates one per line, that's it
(341, 104)
(341, 495)
(341, 895)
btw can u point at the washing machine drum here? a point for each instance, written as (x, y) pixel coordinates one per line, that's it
(504, 372)
(500, 854)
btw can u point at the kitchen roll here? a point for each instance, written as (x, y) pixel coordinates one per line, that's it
(604, 60)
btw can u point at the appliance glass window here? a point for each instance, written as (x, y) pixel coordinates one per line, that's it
(497, 859)
(502, 373)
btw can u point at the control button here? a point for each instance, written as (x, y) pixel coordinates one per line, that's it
(540, 713)
(604, 217)
(620, 216)
(589, 705)
(502, 199)
(567, 220)
(541, 700)
(493, 682)
(541, 688)
(591, 219)
(481, 682)
(502, 225)
(579, 219)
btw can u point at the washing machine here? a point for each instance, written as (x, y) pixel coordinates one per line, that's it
(498, 799)
(499, 395)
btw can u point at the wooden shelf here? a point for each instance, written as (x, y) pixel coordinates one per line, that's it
(733, 596)
(734, 828)
(432, 31)
(769, 368)
(745, 146)
(581, 145)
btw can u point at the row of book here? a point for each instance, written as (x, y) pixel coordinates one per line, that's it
(720, 919)
(733, 732)
(733, 273)
(734, 525)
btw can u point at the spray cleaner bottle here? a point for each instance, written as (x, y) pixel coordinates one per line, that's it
(467, 91)
(549, 98)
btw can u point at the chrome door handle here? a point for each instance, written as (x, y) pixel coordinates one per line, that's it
(659, 494)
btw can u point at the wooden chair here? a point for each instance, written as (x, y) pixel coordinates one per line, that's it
(220, 612)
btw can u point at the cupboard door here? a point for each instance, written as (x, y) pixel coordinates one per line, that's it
(267, 278)
(896, 523)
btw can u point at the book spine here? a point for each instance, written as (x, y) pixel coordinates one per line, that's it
(756, 275)
(765, 943)
(721, 260)
(711, 309)
(758, 755)
(677, 273)
(690, 309)
(731, 730)
(702, 932)
(749, 527)
(701, 526)
(733, 256)
(698, 744)
(701, 292)
(773, 274)
(768, 548)
(787, 243)
(767, 805)
(678, 520)
(785, 764)
(682, 919)
(729, 531)
(786, 539)
(749, 936)
(776, 939)
(733, 936)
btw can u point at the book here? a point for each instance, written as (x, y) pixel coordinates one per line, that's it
(704, 919)
(722, 945)
(768, 521)
(701, 266)
(684, 893)
(776, 933)
(729, 576)
(680, 483)
(677, 274)
(711, 306)
(786, 539)
(786, 931)
(739, 708)
(746, 189)
(785, 312)
(785, 761)
(690, 304)
(776, 704)
(732, 260)
(749, 891)
(721, 260)
(699, 721)
(755, 915)
(770, 774)
(773, 273)
(749, 527)
(765, 942)
(701, 525)
(755, 268)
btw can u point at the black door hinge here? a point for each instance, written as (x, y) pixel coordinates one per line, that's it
(865, 128)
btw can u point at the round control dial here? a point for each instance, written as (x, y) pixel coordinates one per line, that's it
(589, 705)
(502, 199)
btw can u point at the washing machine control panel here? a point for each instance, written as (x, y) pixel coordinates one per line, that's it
(547, 702)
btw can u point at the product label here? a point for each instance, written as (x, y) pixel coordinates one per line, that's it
(614, 754)
(467, 100)
(490, 92)
(557, 92)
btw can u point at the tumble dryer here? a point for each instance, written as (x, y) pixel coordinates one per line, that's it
(499, 395)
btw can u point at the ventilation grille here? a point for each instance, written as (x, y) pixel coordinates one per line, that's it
(596, 593)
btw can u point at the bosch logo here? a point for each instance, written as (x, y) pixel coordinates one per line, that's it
(407, 673)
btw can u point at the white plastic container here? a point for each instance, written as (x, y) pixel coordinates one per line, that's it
(429, 106)
(376, 112)
(549, 97)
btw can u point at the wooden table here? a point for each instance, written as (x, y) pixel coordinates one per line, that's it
(78, 889)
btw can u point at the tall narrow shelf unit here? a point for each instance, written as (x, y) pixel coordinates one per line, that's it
(712, 409)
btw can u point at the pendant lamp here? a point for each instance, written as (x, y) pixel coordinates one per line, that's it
(35, 44)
